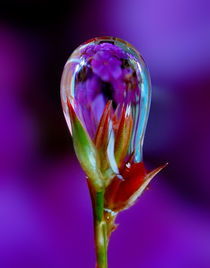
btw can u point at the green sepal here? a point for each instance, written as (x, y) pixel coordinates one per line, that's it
(85, 150)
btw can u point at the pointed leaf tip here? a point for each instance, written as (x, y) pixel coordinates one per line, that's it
(144, 185)
(121, 195)
(102, 132)
(123, 135)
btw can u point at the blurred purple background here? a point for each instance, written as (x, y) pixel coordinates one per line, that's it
(45, 210)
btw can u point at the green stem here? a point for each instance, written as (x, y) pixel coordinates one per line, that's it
(100, 230)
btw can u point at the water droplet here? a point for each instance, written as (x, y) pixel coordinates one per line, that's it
(104, 69)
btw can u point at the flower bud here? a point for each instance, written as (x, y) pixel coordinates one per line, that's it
(106, 93)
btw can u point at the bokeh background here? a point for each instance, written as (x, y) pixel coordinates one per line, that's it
(45, 210)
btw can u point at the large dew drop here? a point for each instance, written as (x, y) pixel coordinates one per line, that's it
(108, 70)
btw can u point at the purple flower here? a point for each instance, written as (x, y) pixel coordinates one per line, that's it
(106, 60)
(88, 51)
(106, 66)
(113, 50)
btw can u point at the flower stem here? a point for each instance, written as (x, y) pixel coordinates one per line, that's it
(100, 231)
